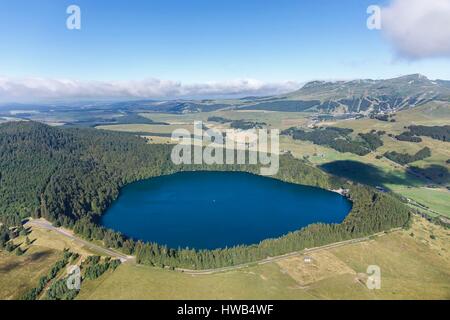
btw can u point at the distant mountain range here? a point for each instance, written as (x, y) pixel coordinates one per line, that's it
(359, 97)
(365, 97)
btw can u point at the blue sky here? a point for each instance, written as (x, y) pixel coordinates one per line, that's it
(195, 41)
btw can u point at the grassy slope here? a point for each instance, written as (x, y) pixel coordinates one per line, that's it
(19, 274)
(413, 267)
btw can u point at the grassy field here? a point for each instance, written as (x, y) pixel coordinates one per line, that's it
(19, 274)
(413, 266)
(281, 120)
(54, 241)
(148, 128)
(437, 199)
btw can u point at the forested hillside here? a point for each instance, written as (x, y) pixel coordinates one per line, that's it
(338, 139)
(70, 176)
(69, 173)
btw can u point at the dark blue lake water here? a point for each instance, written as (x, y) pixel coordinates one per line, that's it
(207, 210)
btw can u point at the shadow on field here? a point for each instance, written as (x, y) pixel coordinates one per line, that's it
(438, 174)
(38, 256)
(363, 173)
(35, 257)
(9, 266)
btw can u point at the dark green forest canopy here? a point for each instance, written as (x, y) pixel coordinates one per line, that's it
(405, 158)
(436, 132)
(70, 176)
(338, 139)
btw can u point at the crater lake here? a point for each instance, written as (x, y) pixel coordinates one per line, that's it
(209, 210)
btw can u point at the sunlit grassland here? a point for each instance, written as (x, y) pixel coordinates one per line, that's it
(54, 241)
(437, 200)
(404, 256)
(143, 282)
(147, 128)
(19, 274)
(280, 120)
(413, 266)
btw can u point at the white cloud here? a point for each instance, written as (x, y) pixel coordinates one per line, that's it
(418, 29)
(29, 89)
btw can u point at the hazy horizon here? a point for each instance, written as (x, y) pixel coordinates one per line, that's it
(202, 49)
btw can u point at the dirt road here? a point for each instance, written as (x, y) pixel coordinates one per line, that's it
(43, 224)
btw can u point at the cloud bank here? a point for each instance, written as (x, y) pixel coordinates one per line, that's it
(29, 89)
(418, 29)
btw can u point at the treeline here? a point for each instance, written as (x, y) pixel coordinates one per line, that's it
(336, 138)
(34, 293)
(384, 117)
(239, 124)
(94, 267)
(219, 119)
(408, 136)
(441, 133)
(57, 289)
(405, 158)
(373, 139)
(70, 176)
(247, 125)
(128, 118)
(7, 234)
